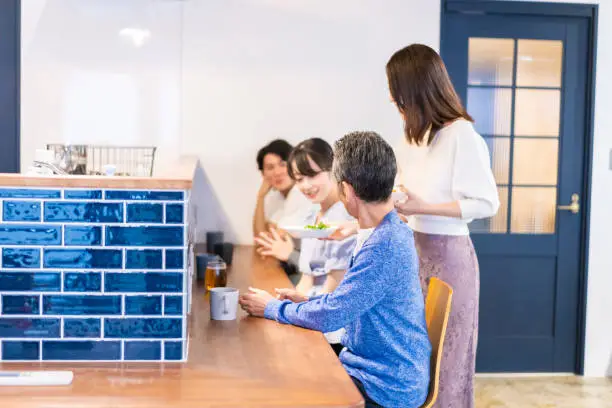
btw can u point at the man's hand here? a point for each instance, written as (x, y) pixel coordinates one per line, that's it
(255, 302)
(264, 189)
(290, 294)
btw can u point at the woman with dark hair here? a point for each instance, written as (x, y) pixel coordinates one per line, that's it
(322, 263)
(445, 168)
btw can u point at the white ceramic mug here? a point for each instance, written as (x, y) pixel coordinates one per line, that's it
(223, 303)
(109, 169)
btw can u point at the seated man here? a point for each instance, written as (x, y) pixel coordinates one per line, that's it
(379, 302)
(279, 201)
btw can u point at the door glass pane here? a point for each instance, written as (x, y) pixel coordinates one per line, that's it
(498, 224)
(532, 130)
(537, 112)
(535, 161)
(499, 149)
(491, 110)
(533, 210)
(539, 63)
(490, 61)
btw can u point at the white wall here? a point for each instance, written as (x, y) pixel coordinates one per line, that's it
(599, 322)
(221, 78)
(84, 83)
(255, 70)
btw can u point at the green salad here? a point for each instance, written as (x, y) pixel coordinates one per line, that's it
(319, 226)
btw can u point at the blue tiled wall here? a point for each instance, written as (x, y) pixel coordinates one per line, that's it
(92, 275)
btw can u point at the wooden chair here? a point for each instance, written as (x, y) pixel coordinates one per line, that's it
(437, 311)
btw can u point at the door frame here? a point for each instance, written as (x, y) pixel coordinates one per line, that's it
(10, 46)
(546, 9)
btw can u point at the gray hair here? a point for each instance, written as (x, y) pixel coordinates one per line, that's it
(366, 162)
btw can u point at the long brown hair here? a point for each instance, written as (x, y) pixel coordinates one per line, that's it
(423, 92)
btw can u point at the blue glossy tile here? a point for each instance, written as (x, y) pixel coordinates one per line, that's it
(81, 350)
(143, 259)
(20, 350)
(65, 211)
(20, 304)
(153, 213)
(83, 258)
(83, 194)
(30, 234)
(144, 236)
(29, 281)
(143, 328)
(82, 235)
(144, 195)
(21, 257)
(143, 305)
(173, 305)
(173, 350)
(81, 305)
(28, 193)
(21, 211)
(174, 213)
(143, 282)
(142, 350)
(174, 259)
(82, 281)
(16, 327)
(82, 327)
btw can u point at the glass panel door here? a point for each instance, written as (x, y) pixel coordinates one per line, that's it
(514, 93)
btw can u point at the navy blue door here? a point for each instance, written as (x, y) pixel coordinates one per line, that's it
(524, 80)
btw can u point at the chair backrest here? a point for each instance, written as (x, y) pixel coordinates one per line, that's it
(437, 311)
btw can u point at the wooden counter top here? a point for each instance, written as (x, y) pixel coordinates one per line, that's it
(175, 177)
(245, 363)
(140, 183)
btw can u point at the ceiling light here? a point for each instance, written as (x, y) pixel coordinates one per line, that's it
(138, 36)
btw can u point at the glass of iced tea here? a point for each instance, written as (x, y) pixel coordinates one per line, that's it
(216, 274)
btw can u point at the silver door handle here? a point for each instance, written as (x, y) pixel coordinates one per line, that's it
(574, 205)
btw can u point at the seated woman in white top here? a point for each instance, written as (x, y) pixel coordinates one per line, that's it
(322, 263)
(279, 201)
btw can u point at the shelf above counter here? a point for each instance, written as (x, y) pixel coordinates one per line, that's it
(175, 177)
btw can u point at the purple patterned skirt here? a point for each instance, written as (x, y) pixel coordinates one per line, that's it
(453, 260)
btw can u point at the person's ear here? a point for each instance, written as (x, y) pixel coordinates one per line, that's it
(348, 191)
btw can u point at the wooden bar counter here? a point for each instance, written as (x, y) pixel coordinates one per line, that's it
(249, 362)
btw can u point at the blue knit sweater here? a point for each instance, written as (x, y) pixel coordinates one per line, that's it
(380, 304)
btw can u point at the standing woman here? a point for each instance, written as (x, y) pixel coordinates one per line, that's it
(447, 177)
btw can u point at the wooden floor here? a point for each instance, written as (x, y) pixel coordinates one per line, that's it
(543, 392)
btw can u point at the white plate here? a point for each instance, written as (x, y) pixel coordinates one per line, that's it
(300, 231)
